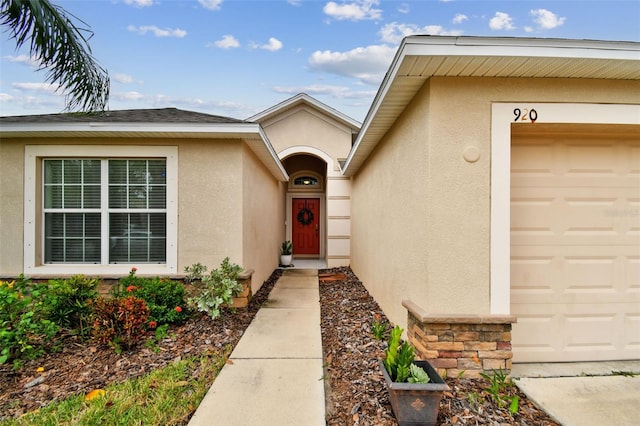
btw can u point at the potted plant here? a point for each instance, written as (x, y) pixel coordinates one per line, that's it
(415, 388)
(286, 253)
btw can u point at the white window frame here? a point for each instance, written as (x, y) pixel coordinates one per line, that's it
(502, 116)
(34, 153)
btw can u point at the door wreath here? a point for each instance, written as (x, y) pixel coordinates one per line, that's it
(305, 216)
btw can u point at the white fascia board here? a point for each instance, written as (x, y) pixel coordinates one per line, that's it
(283, 176)
(521, 47)
(14, 129)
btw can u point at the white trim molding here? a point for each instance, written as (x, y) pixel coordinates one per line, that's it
(503, 115)
(33, 153)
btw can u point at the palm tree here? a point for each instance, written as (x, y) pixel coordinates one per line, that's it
(61, 47)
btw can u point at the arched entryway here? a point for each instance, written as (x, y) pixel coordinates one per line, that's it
(305, 205)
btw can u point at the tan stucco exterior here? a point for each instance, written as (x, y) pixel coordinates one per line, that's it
(434, 245)
(225, 194)
(309, 129)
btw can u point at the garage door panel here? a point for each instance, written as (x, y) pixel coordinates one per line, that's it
(589, 332)
(575, 249)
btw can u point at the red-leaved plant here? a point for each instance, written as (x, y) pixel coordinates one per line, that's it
(120, 322)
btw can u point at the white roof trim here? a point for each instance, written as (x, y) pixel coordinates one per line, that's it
(488, 49)
(300, 98)
(251, 133)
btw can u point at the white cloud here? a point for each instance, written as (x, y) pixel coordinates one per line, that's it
(404, 8)
(357, 10)
(365, 63)
(127, 96)
(294, 2)
(139, 3)
(546, 19)
(24, 60)
(227, 42)
(122, 78)
(37, 87)
(273, 45)
(501, 21)
(528, 29)
(211, 4)
(395, 32)
(5, 97)
(158, 32)
(341, 92)
(459, 18)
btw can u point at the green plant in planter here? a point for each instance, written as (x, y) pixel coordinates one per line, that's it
(398, 360)
(286, 248)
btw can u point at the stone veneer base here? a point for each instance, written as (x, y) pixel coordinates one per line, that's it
(460, 345)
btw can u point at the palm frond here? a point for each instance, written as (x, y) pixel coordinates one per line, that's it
(62, 48)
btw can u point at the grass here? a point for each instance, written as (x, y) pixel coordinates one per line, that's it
(167, 396)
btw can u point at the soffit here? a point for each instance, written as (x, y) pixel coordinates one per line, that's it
(250, 133)
(420, 58)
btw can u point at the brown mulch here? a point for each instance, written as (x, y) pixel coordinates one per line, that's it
(356, 392)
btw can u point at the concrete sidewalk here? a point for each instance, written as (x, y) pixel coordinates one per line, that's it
(583, 394)
(275, 373)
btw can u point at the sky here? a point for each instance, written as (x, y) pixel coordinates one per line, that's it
(236, 58)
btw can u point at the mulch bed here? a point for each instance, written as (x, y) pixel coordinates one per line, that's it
(356, 391)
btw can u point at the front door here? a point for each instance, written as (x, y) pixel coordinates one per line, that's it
(305, 229)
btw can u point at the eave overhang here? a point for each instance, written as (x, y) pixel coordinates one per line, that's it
(420, 58)
(250, 133)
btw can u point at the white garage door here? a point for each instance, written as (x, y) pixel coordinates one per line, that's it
(575, 244)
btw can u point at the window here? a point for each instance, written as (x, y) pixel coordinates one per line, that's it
(305, 181)
(108, 208)
(135, 207)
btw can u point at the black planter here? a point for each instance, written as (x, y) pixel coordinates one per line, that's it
(416, 403)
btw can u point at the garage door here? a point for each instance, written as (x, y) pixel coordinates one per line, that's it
(575, 244)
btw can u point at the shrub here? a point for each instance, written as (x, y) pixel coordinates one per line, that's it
(66, 302)
(217, 289)
(161, 295)
(119, 322)
(24, 330)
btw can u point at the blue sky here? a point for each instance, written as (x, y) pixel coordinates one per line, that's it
(237, 57)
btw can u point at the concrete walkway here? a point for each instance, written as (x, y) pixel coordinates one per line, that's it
(275, 373)
(583, 393)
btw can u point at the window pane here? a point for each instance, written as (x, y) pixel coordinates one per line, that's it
(52, 171)
(92, 171)
(72, 197)
(117, 171)
(157, 197)
(52, 196)
(54, 225)
(74, 225)
(137, 172)
(137, 237)
(72, 171)
(137, 197)
(117, 197)
(91, 198)
(157, 172)
(70, 237)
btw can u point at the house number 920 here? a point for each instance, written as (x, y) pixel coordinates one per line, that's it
(525, 115)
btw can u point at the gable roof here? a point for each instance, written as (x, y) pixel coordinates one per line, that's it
(421, 57)
(304, 99)
(145, 123)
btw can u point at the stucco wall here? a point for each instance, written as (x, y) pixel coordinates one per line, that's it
(210, 197)
(210, 202)
(305, 126)
(11, 206)
(263, 224)
(423, 212)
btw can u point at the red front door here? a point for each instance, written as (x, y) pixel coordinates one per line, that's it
(305, 217)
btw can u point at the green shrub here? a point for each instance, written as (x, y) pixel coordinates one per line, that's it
(25, 333)
(217, 289)
(164, 298)
(120, 322)
(66, 302)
